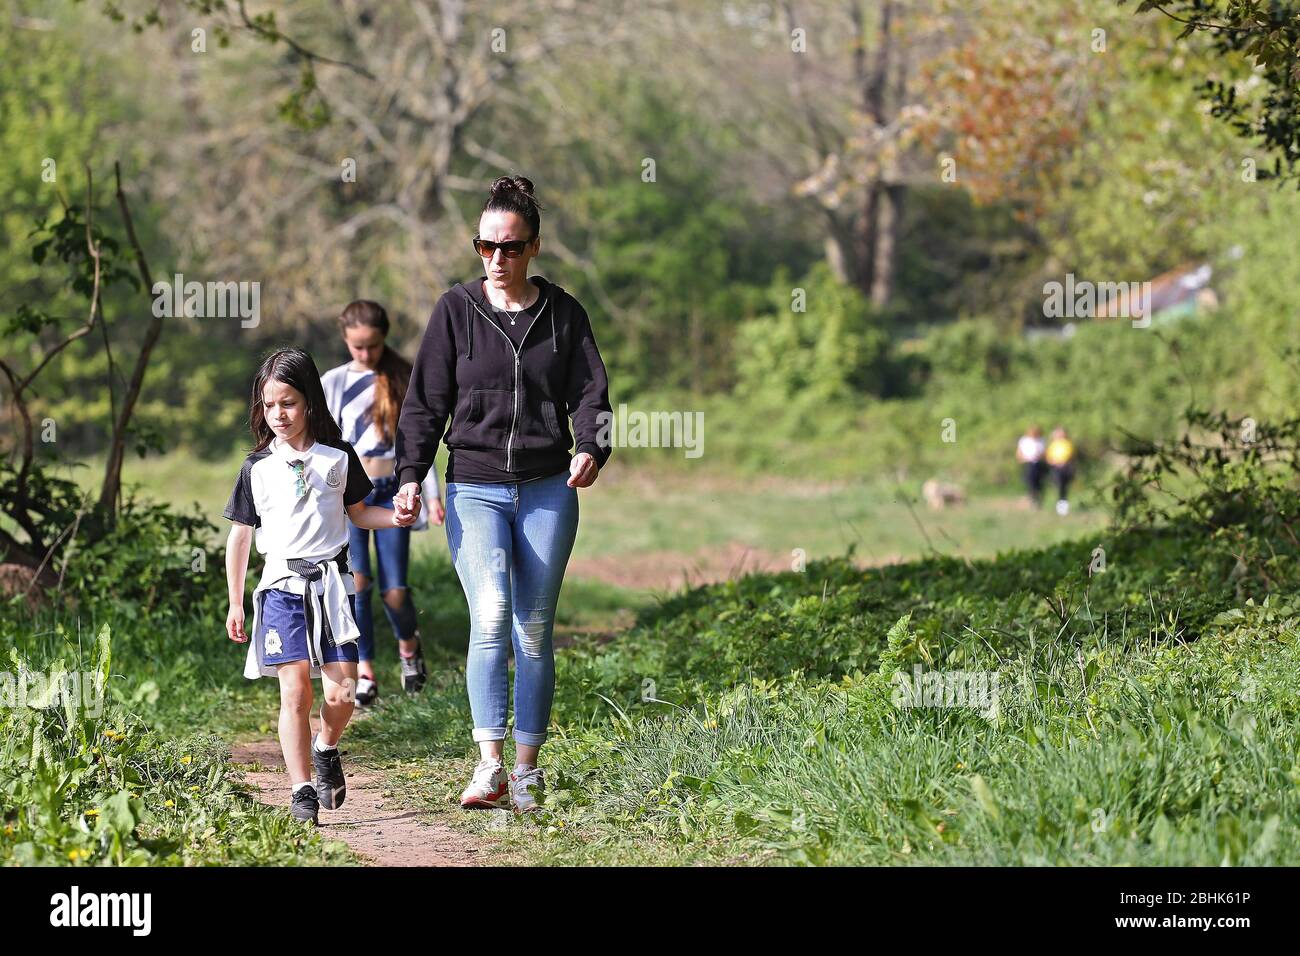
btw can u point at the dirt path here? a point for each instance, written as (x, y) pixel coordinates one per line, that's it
(380, 834)
(668, 571)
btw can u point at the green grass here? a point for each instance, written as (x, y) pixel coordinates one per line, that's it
(1146, 714)
(649, 510)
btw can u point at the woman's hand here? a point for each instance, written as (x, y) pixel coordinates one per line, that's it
(407, 502)
(582, 470)
(436, 511)
(235, 624)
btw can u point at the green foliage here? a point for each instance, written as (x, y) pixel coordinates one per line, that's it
(45, 131)
(970, 351)
(958, 258)
(1154, 173)
(154, 560)
(1264, 36)
(684, 257)
(84, 782)
(824, 348)
(150, 561)
(1227, 472)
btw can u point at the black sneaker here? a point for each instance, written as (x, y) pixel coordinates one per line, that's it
(367, 691)
(305, 805)
(413, 673)
(330, 784)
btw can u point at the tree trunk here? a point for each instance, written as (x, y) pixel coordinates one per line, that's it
(117, 450)
(888, 212)
(874, 235)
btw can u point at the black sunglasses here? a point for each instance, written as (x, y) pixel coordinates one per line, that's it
(513, 249)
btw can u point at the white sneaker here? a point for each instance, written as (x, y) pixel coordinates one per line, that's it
(489, 788)
(1062, 507)
(527, 784)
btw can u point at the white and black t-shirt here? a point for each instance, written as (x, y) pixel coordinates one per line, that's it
(313, 526)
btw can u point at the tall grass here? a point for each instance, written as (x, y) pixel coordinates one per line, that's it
(85, 781)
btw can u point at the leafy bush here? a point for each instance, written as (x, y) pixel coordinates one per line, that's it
(150, 560)
(971, 348)
(830, 353)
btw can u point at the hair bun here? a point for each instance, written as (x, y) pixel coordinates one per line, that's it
(506, 184)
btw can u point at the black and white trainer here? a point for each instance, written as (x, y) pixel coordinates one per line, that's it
(367, 691)
(305, 805)
(413, 672)
(333, 789)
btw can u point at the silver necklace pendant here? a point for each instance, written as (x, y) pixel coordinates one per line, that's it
(506, 313)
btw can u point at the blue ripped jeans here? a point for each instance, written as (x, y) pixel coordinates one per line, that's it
(393, 551)
(510, 544)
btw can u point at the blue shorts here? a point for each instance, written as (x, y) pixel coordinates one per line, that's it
(282, 623)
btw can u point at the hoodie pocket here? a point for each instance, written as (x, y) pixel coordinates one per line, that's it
(537, 428)
(487, 420)
(552, 423)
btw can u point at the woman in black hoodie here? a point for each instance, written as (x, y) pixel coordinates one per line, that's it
(505, 363)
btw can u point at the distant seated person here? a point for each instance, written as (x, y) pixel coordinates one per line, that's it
(1029, 452)
(1060, 458)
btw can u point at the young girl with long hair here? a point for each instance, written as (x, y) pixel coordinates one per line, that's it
(294, 496)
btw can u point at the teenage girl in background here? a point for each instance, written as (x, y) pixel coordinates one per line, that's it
(365, 398)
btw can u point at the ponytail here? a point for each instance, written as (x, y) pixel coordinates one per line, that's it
(392, 374)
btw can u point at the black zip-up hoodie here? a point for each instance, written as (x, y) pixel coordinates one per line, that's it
(515, 406)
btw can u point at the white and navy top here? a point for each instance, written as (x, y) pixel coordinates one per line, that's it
(350, 396)
(352, 405)
(311, 527)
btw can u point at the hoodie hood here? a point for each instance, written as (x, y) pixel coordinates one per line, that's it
(472, 292)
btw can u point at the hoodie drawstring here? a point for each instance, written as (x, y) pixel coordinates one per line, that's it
(469, 328)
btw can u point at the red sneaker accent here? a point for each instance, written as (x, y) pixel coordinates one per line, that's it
(492, 802)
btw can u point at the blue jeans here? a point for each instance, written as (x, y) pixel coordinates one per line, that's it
(393, 551)
(510, 544)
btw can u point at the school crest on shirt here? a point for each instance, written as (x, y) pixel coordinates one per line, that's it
(273, 643)
(332, 477)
